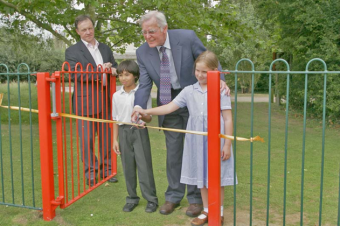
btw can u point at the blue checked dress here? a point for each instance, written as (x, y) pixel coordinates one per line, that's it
(195, 158)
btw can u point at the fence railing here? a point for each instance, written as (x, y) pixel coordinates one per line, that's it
(295, 173)
(19, 162)
(334, 217)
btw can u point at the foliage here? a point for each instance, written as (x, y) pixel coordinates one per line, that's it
(116, 20)
(307, 29)
(39, 54)
(255, 44)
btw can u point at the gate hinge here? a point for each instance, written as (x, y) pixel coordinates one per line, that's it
(58, 201)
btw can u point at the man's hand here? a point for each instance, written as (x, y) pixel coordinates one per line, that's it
(113, 71)
(107, 66)
(137, 115)
(223, 86)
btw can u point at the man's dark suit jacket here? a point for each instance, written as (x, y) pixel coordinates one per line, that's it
(80, 53)
(185, 48)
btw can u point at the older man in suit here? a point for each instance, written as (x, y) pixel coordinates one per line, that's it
(182, 47)
(91, 97)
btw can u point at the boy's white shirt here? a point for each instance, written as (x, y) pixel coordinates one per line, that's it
(123, 103)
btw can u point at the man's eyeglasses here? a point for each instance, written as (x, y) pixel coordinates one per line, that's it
(150, 32)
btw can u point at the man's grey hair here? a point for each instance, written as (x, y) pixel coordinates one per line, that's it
(159, 16)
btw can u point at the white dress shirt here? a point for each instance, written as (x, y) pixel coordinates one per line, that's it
(97, 56)
(122, 105)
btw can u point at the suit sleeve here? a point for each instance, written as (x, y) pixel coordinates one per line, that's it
(112, 60)
(145, 84)
(198, 47)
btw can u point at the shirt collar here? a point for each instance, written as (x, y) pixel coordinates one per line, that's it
(87, 44)
(198, 87)
(123, 91)
(166, 43)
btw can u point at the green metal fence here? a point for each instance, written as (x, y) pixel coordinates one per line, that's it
(331, 175)
(295, 174)
(19, 152)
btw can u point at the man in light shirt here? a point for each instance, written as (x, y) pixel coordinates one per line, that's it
(91, 98)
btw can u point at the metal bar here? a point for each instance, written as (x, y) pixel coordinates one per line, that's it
(1, 162)
(113, 154)
(234, 147)
(71, 140)
(223, 71)
(63, 158)
(214, 159)
(86, 192)
(22, 206)
(323, 144)
(106, 132)
(303, 148)
(284, 72)
(54, 112)
(339, 198)
(77, 135)
(31, 137)
(102, 144)
(20, 135)
(1, 165)
(59, 137)
(46, 149)
(18, 73)
(251, 148)
(10, 137)
(286, 153)
(269, 146)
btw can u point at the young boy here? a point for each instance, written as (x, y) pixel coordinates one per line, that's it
(134, 143)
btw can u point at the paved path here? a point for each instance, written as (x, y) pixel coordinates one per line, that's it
(247, 98)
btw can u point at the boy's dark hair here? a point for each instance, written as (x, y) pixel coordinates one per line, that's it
(129, 66)
(82, 18)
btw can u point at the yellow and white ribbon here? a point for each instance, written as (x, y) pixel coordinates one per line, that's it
(252, 139)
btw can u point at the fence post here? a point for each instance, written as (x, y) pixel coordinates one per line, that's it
(113, 154)
(46, 153)
(214, 148)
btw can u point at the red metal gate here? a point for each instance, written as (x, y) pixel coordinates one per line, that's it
(71, 170)
(74, 181)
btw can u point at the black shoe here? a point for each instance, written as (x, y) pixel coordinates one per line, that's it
(151, 207)
(92, 182)
(112, 180)
(129, 207)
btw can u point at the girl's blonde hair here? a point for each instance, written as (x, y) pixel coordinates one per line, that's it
(208, 58)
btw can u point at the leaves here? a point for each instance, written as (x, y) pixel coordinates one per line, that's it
(118, 18)
(40, 55)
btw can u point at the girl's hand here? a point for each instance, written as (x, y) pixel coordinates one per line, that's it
(226, 153)
(116, 147)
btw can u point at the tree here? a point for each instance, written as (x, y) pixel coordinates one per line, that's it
(256, 44)
(116, 20)
(307, 29)
(38, 54)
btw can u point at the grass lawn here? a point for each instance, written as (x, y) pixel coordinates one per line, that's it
(104, 205)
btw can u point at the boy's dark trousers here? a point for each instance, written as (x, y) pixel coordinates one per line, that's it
(134, 145)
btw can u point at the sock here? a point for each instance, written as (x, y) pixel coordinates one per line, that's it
(202, 216)
(221, 211)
